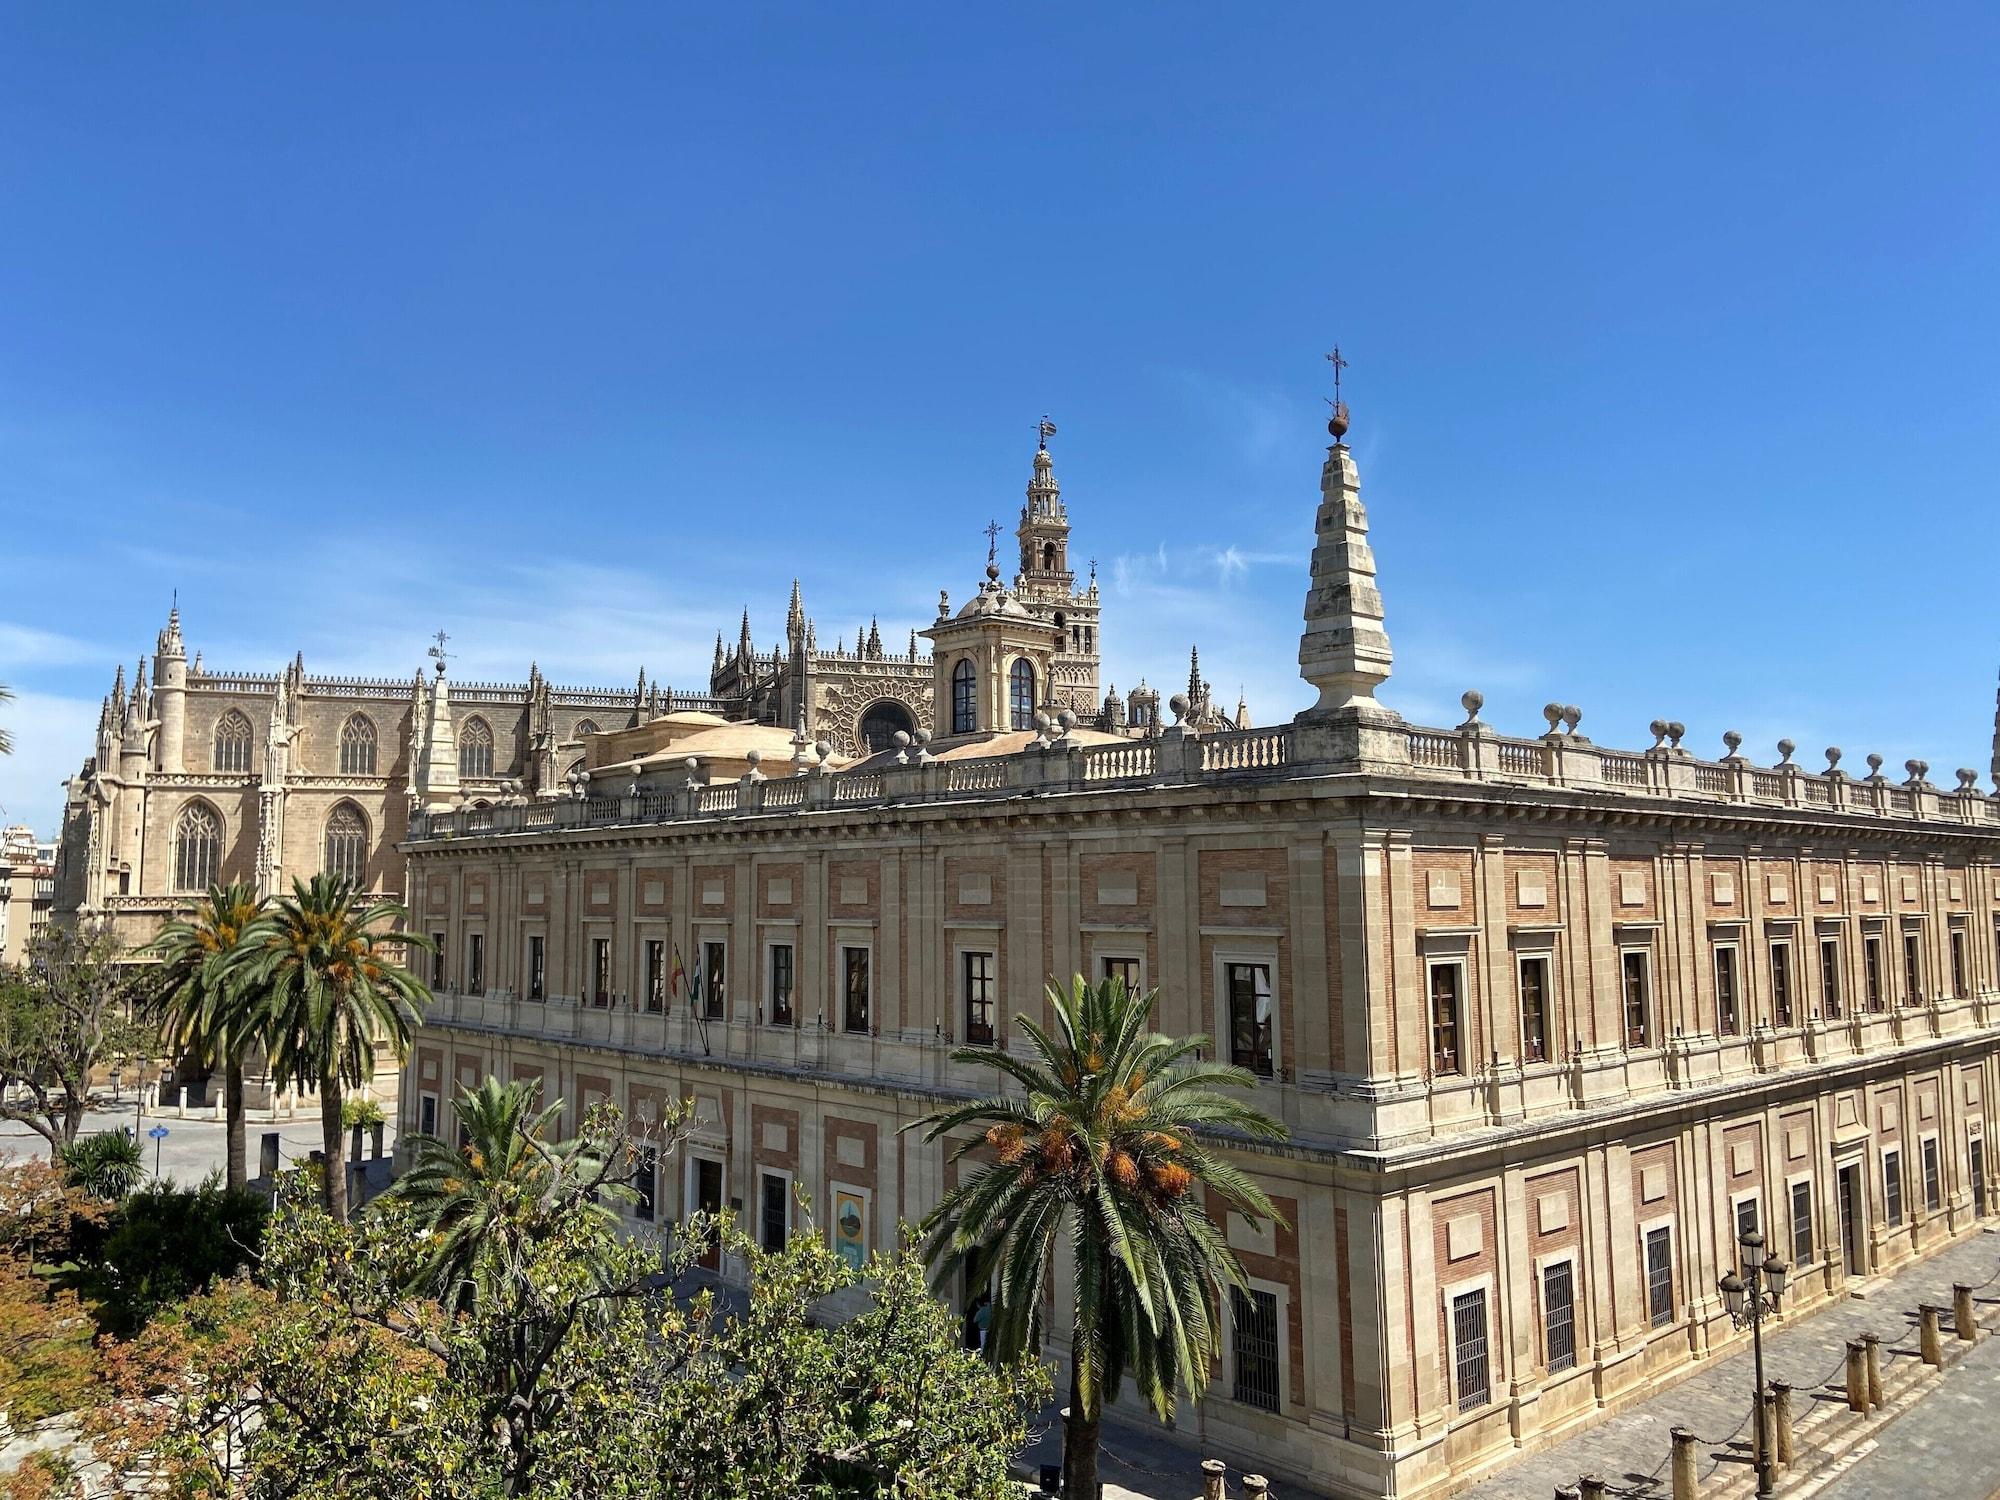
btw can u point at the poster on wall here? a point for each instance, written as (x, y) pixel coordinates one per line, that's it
(850, 1227)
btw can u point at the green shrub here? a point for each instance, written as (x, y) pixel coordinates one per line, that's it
(162, 1245)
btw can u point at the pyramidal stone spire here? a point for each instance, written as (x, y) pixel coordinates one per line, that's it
(1344, 651)
(795, 617)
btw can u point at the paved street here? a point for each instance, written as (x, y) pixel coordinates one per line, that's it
(193, 1147)
(1945, 1445)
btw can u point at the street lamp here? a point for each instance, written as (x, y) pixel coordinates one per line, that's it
(1748, 1297)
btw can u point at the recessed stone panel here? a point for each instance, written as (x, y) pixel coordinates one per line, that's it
(1463, 1237)
(1242, 888)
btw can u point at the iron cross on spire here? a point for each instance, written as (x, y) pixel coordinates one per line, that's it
(1337, 424)
(1338, 364)
(992, 541)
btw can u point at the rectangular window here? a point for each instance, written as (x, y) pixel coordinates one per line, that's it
(427, 1115)
(1254, 1341)
(1126, 969)
(1933, 1183)
(1534, 974)
(646, 1183)
(1468, 1343)
(1638, 1006)
(1446, 1052)
(437, 960)
(1726, 1023)
(1781, 984)
(715, 980)
(781, 985)
(979, 999)
(475, 964)
(656, 975)
(1249, 988)
(1913, 970)
(1958, 963)
(538, 968)
(1892, 1188)
(600, 971)
(1802, 1235)
(854, 989)
(1829, 976)
(1660, 1276)
(1559, 1315)
(774, 1220)
(1871, 955)
(1746, 1221)
(1975, 1162)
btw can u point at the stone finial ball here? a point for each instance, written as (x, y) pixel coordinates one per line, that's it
(1472, 700)
(1785, 749)
(1967, 778)
(1917, 768)
(1832, 756)
(1553, 712)
(1657, 729)
(753, 756)
(693, 763)
(1067, 719)
(822, 749)
(1733, 740)
(902, 737)
(1571, 717)
(1675, 729)
(923, 736)
(1874, 761)
(1179, 704)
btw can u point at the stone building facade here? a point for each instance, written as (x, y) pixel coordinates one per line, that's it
(1548, 1022)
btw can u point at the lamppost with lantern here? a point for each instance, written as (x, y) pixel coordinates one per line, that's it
(1748, 1297)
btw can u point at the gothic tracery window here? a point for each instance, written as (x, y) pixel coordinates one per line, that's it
(347, 843)
(475, 748)
(197, 847)
(583, 727)
(357, 747)
(964, 715)
(232, 742)
(1021, 694)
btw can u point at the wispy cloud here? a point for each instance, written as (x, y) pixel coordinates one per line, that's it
(27, 646)
(1261, 420)
(52, 738)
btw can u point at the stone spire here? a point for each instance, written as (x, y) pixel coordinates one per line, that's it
(1242, 710)
(874, 638)
(1344, 651)
(795, 619)
(1194, 678)
(717, 666)
(170, 638)
(913, 643)
(743, 639)
(437, 776)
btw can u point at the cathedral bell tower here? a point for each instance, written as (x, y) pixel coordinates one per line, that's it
(1044, 530)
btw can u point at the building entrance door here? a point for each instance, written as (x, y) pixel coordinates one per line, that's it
(1850, 1221)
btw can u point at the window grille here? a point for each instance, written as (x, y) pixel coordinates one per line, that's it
(646, 1183)
(1957, 964)
(1892, 1187)
(656, 975)
(1871, 952)
(1559, 1309)
(979, 1004)
(1021, 694)
(232, 742)
(1746, 1219)
(475, 748)
(1829, 977)
(1781, 983)
(197, 847)
(1725, 991)
(854, 968)
(1636, 1025)
(1254, 1335)
(1976, 1165)
(427, 1115)
(1468, 1328)
(1933, 1188)
(538, 977)
(1660, 1276)
(437, 960)
(781, 984)
(964, 709)
(1802, 1235)
(1445, 1054)
(1249, 988)
(776, 1216)
(1913, 970)
(347, 844)
(357, 747)
(475, 964)
(600, 971)
(1535, 1009)
(715, 969)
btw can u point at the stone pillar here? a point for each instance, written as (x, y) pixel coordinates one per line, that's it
(1963, 1323)
(1928, 1340)
(1590, 1487)
(1873, 1344)
(267, 1154)
(1683, 1464)
(1566, 1492)
(1212, 1470)
(1857, 1377)
(1781, 1419)
(1255, 1487)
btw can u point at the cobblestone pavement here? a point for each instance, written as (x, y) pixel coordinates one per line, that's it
(1945, 1445)
(1629, 1450)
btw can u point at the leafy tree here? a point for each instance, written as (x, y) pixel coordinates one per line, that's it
(334, 991)
(208, 1009)
(63, 1014)
(46, 1363)
(1103, 1150)
(108, 1164)
(162, 1245)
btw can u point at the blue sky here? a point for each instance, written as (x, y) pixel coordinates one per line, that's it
(571, 330)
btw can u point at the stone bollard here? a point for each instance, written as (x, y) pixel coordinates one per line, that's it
(1683, 1466)
(267, 1155)
(1590, 1487)
(1857, 1377)
(1566, 1492)
(1212, 1470)
(1928, 1341)
(1961, 1312)
(1256, 1487)
(1781, 1419)
(1872, 1343)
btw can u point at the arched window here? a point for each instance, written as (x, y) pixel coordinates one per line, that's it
(475, 748)
(583, 727)
(882, 723)
(232, 743)
(1021, 694)
(1048, 557)
(197, 847)
(964, 713)
(347, 844)
(357, 747)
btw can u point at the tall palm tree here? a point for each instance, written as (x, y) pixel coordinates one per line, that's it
(208, 1008)
(1103, 1149)
(486, 1202)
(334, 990)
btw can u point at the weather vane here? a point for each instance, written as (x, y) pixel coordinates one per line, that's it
(1046, 429)
(992, 542)
(1337, 423)
(436, 652)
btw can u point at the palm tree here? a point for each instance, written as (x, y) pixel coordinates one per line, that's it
(334, 991)
(109, 1165)
(1102, 1150)
(209, 1009)
(487, 1202)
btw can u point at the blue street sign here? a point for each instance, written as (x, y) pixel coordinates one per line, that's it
(158, 1132)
